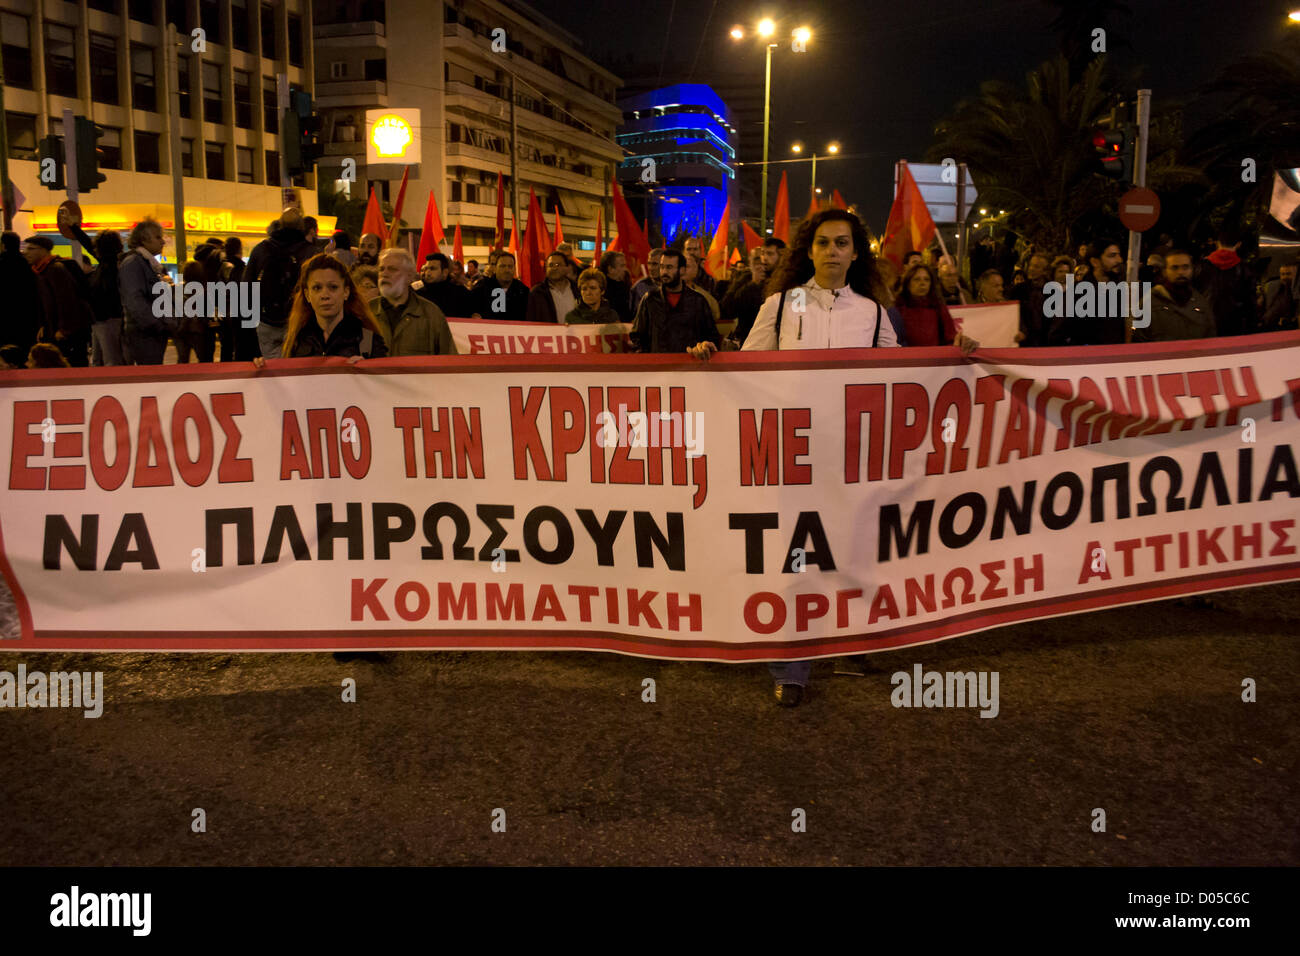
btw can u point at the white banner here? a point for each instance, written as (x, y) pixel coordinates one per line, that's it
(991, 324)
(499, 337)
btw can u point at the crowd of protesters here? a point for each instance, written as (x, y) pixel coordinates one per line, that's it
(329, 298)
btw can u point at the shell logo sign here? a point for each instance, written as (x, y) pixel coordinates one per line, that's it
(391, 137)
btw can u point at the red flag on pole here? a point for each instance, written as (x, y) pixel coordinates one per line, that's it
(559, 229)
(715, 263)
(813, 206)
(500, 237)
(458, 251)
(781, 218)
(537, 243)
(374, 221)
(752, 239)
(632, 241)
(431, 235)
(600, 238)
(910, 227)
(837, 200)
(735, 256)
(397, 208)
(513, 248)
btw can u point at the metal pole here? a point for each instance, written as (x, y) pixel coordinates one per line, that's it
(961, 219)
(70, 169)
(174, 119)
(6, 187)
(1139, 179)
(814, 174)
(514, 164)
(767, 118)
(282, 104)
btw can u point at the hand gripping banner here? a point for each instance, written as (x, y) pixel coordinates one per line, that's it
(757, 507)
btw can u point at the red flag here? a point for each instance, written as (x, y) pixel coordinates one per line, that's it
(813, 206)
(397, 208)
(432, 234)
(559, 230)
(781, 218)
(752, 239)
(374, 221)
(735, 255)
(837, 200)
(537, 243)
(457, 251)
(910, 228)
(632, 241)
(715, 263)
(513, 248)
(500, 237)
(613, 245)
(600, 238)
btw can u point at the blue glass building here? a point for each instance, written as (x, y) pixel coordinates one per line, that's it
(685, 131)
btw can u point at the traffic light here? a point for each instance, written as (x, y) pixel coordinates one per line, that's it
(1114, 147)
(300, 133)
(50, 163)
(88, 174)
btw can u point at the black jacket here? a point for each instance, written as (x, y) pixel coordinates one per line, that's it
(541, 306)
(743, 300)
(451, 299)
(20, 319)
(516, 300)
(619, 297)
(660, 328)
(345, 340)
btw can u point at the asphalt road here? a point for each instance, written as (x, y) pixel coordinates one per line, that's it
(1137, 711)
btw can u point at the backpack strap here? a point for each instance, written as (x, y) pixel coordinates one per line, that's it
(875, 336)
(779, 309)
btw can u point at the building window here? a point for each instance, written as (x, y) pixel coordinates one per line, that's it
(239, 35)
(272, 167)
(108, 6)
(17, 50)
(338, 70)
(187, 158)
(60, 59)
(210, 20)
(22, 135)
(213, 105)
(103, 69)
(243, 100)
(377, 69)
(142, 11)
(295, 40)
(185, 86)
(146, 152)
(178, 12)
(144, 95)
(268, 33)
(270, 105)
(244, 163)
(109, 148)
(215, 156)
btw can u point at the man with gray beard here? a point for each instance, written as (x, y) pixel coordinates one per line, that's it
(415, 326)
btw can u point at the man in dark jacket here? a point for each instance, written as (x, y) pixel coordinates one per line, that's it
(511, 303)
(555, 296)
(617, 289)
(277, 263)
(144, 333)
(65, 300)
(1178, 310)
(450, 297)
(22, 308)
(674, 317)
(1226, 281)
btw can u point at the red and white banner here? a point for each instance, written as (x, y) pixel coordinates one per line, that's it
(773, 506)
(497, 337)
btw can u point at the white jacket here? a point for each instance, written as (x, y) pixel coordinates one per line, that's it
(839, 319)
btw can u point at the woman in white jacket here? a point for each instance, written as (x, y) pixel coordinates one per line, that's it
(829, 294)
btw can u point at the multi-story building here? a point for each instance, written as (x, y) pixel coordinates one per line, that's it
(106, 60)
(456, 62)
(681, 149)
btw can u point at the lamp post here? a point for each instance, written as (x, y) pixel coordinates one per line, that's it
(766, 30)
(832, 149)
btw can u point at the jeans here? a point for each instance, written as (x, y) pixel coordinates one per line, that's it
(106, 340)
(791, 672)
(144, 349)
(270, 337)
(203, 341)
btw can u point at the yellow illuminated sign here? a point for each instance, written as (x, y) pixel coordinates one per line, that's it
(391, 135)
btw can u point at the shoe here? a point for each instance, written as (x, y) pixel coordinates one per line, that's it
(788, 695)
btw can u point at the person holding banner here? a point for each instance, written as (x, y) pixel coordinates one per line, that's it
(925, 317)
(329, 317)
(511, 303)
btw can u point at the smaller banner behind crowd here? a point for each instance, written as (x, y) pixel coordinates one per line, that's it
(760, 506)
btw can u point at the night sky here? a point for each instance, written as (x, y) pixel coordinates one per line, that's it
(878, 75)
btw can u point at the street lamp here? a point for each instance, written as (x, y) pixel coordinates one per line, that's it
(767, 30)
(832, 149)
(1294, 16)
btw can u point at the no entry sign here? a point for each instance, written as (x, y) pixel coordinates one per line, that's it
(1139, 208)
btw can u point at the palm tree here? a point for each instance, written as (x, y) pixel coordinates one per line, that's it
(1029, 149)
(1075, 22)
